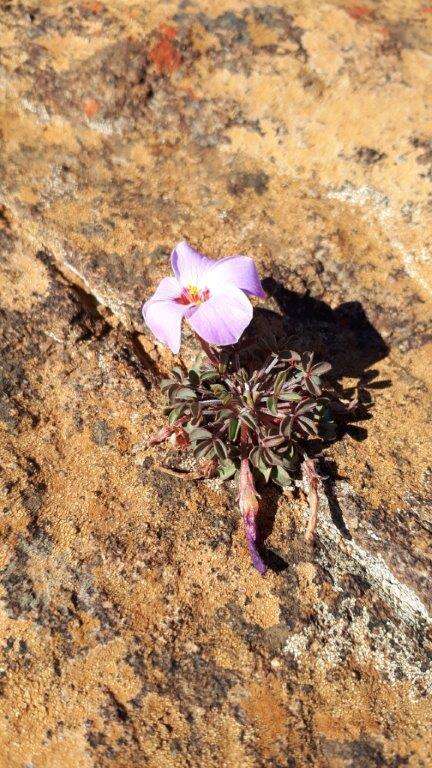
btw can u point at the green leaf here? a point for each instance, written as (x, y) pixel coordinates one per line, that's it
(195, 409)
(204, 450)
(265, 472)
(298, 377)
(175, 414)
(220, 391)
(194, 377)
(291, 457)
(247, 418)
(279, 382)
(312, 388)
(321, 368)
(220, 449)
(165, 384)
(272, 405)
(256, 457)
(226, 469)
(290, 396)
(199, 434)
(288, 356)
(234, 429)
(178, 373)
(209, 374)
(184, 393)
(316, 381)
(172, 390)
(198, 361)
(282, 478)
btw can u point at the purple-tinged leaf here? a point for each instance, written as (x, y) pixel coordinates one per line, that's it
(221, 450)
(273, 442)
(247, 418)
(321, 368)
(308, 425)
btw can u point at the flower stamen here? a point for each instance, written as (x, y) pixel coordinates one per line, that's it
(193, 295)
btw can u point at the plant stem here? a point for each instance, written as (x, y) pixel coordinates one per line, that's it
(211, 354)
(165, 433)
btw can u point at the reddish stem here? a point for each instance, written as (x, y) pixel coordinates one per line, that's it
(166, 432)
(212, 356)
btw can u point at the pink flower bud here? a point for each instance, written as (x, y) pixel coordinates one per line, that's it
(249, 507)
(248, 501)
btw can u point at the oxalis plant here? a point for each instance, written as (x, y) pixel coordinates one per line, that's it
(239, 419)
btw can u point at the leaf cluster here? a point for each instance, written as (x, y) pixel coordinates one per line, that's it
(270, 415)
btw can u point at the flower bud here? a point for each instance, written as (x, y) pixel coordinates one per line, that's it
(248, 501)
(249, 507)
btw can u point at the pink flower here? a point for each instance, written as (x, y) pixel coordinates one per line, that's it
(210, 294)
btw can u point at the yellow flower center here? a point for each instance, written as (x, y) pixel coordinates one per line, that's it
(193, 295)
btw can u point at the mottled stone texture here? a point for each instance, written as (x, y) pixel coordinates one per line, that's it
(133, 630)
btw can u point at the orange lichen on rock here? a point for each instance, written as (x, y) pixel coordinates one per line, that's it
(359, 11)
(91, 107)
(164, 54)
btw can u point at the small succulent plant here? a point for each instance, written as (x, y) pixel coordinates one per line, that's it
(241, 419)
(265, 420)
(266, 417)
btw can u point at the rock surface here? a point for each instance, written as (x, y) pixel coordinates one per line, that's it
(133, 630)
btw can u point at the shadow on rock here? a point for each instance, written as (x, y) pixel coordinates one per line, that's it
(343, 336)
(270, 495)
(328, 484)
(346, 339)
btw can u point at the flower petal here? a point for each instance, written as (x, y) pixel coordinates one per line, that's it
(168, 288)
(189, 266)
(239, 270)
(222, 319)
(163, 315)
(256, 558)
